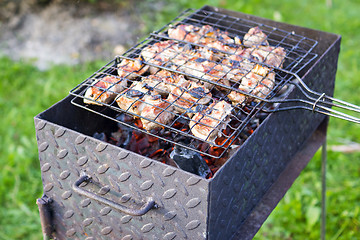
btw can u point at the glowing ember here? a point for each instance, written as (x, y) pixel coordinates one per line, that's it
(167, 153)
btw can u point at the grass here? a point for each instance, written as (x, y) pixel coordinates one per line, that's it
(26, 91)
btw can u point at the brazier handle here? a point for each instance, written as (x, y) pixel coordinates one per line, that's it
(150, 203)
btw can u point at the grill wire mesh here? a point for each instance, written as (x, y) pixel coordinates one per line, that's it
(184, 87)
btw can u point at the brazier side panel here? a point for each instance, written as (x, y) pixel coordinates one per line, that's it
(244, 179)
(122, 177)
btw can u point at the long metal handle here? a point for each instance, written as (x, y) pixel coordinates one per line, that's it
(149, 204)
(318, 102)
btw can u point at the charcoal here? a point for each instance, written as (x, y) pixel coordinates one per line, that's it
(190, 161)
(100, 136)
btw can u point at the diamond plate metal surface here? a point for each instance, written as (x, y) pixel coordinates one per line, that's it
(244, 179)
(122, 177)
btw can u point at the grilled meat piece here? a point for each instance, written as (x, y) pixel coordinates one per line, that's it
(104, 90)
(237, 98)
(239, 64)
(132, 99)
(258, 82)
(245, 61)
(185, 32)
(166, 53)
(260, 50)
(207, 36)
(208, 123)
(187, 95)
(157, 109)
(209, 70)
(255, 37)
(273, 56)
(264, 86)
(219, 40)
(163, 81)
(131, 68)
(161, 53)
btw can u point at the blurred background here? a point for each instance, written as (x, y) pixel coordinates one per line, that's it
(49, 46)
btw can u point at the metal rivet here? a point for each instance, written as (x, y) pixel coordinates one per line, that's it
(65, 174)
(147, 227)
(62, 153)
(81, 161)
(43, 146)
(192, 225)
(192, 181)
(237, 187)
(146, 185)
(80, 139)
(106, 230)
(40, 125)
(46, 167)
(66, 195)
(125, 219)
(226, 180)
(238, 165)
(68, 214)
(105, 211)
(169, 236)
(122, 155)
(60, 132)
(124, 176)
(103, 168)
(104, 190)
(86, 202)
(101, 147)
(127, 237)
(145, 163)
(169, 215)
(87, 221)
(70, 232)
(193, 202)
(169, 193)
(48, 187)
(124, 198)
(223, 223)
(168, 172)
(235, 208)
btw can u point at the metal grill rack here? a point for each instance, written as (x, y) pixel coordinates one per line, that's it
(298, 48)
(298, 51)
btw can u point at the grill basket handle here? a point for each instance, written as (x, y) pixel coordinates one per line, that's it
(150, 203)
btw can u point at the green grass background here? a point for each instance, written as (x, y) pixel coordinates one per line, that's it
(25, 91)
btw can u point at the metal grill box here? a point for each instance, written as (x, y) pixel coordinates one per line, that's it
(186, 206)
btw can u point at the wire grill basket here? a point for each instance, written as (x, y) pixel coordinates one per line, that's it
(191, 83)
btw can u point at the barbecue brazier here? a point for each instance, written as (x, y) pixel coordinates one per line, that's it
(95, 190)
